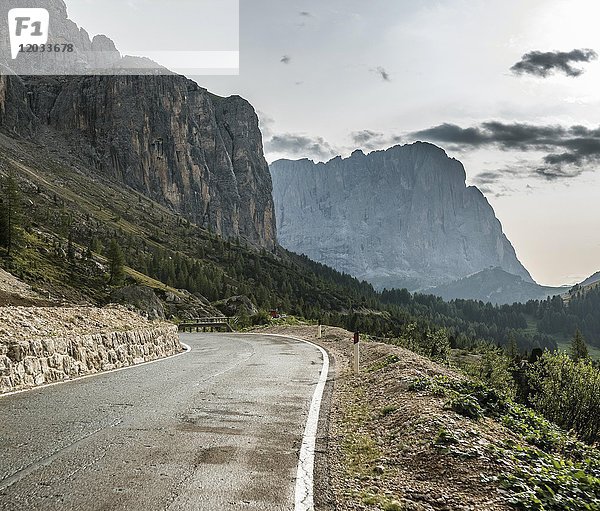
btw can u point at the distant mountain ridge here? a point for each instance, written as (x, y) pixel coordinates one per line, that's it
(593, 279)
(578, 290)
(496, 286)
(403, 217)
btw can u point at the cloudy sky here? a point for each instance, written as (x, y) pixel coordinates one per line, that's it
(511, 88)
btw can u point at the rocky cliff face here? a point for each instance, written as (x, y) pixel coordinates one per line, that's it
(164, 136)
(397, 218)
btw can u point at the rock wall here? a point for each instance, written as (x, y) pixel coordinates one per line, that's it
(397, 218)
(57, 352)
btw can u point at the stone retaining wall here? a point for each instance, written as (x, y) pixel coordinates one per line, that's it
(41, 360)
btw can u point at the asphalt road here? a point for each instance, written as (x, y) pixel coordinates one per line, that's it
(218, 428)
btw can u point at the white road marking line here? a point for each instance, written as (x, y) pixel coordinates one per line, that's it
(99, 373)
(304, 498)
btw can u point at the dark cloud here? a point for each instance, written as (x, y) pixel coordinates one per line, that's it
(544, 64)
(486, 178)
(368, 139)
(286, 59)
(364, 136)
(451, 133)
(506, 135)
(496, 190)
(294, 144)
(385, 76)
(555, 172)
(569, 149)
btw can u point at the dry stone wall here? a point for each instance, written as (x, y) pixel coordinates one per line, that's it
(45, 345)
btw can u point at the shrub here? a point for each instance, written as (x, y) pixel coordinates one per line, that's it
(388, 410)
(567, 392)
(260, 318)
(465, 405)
(436, 345)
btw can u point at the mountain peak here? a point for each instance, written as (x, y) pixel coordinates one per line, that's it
(402, 217)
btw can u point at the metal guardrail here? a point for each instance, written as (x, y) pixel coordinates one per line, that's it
(204, 323)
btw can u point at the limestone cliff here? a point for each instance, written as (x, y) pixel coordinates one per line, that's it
(397, 218)
(163, 136)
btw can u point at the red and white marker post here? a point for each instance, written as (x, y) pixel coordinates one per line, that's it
(356, 353)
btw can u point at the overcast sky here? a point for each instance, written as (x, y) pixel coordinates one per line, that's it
(511, 88)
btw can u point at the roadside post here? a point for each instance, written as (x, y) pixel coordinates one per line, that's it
(356, 352)
(319, 331)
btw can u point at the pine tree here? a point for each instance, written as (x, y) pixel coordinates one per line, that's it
(579, 349)
(10, 214)
(116, 263)
(512, 348)
(70, 248)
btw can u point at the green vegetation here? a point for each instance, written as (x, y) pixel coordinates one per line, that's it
(567, 391)
(10, 214)
(116, 263)
(388, 410)
(579, 349)
(384, 362)
(544, 481)
(546, 470)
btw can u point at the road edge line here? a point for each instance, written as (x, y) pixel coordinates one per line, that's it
(187, 349)
(303, 494)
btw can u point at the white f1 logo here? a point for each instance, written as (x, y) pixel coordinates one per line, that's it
(27, 26)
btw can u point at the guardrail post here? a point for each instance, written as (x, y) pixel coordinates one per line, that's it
(356, 360)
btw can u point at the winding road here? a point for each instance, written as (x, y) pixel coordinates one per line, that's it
(218, 428)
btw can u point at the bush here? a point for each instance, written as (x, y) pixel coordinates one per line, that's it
(436, 345)
(260, 318)
(433, 344)
(545, 469)
(494, 367)
(567, 392)
(465, 405)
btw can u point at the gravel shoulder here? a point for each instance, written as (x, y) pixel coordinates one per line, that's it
(385, 443)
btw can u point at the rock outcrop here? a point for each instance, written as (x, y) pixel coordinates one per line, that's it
(142, 299)
(397, 218)
(236, 306)
(45, 345)
(163, 136)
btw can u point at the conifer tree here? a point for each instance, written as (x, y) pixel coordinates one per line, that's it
(10, 213)
(116, 263)
(70, 248)
(579, 350)
(512, 348)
